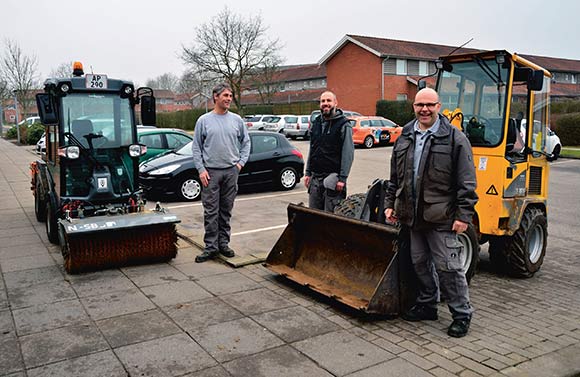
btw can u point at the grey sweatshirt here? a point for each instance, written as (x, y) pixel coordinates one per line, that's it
(220, 141)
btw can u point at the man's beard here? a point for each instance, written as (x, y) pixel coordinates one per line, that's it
(328, 111)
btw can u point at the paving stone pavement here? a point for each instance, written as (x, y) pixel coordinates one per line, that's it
(186, 319)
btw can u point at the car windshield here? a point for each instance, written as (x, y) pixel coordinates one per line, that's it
(291, 119)
(106, 116)
(186, 150)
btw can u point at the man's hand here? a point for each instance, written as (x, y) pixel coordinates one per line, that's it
(239, 166)
(340, 186)
(459, 226)
(204, 177)
(306, 181)
(390, 215)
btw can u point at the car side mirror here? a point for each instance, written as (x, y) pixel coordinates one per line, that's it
(46, 109)
(148, 117)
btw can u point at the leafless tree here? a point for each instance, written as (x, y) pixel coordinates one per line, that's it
(231, 47)
(263, 79)
(63, 70)
(197, 81)
(20, 72)
(167, 81)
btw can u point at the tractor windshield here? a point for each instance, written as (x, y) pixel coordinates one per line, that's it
(476, 89)
(105, 120)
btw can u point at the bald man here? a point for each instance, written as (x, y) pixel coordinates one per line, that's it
(330, 157)
(432, 192)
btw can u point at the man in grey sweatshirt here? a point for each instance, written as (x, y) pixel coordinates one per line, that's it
(221, 147)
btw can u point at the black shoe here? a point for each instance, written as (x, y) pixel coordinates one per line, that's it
(227, 252)
(420, 313)
(459, 328)
(205, 256)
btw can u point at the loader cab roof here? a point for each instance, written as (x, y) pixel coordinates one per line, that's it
(83, 83)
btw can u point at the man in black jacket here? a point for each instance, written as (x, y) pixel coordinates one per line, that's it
(330, 157)
(432, 191)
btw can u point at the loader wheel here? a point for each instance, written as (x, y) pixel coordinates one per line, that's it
(51, 224)
(525, 250)
(368, 142)
(287, 178)
(352, 207)
(189, 188)
(470, 252)
(39, 203)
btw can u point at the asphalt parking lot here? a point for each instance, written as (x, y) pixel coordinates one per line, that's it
(186, 319)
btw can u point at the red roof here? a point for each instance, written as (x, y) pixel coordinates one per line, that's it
(554, 64)
(286, 97)
(300, 72)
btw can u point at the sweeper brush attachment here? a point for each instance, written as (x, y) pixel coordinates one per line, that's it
(102, 242)
(358, 263)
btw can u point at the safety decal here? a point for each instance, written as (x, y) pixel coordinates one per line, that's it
(482, 163)
(491, 190)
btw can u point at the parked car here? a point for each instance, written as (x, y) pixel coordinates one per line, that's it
(369, 131)
(301, 129)
(272, 160)
(346, 113)
(280, 122)
(553, 144)
(256, 122)
(41, 144)
(160, 140)
(30, 121)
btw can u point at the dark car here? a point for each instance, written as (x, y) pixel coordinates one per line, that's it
(272, 160)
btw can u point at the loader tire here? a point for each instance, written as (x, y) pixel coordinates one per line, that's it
(39, 203)
(525, 250)
(51, 224)
(470, 252)
(351, 207)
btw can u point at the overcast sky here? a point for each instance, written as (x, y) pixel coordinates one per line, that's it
(137, 40)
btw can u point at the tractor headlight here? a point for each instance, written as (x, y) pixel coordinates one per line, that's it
(165, 170)
(135, 150)
(71, 152)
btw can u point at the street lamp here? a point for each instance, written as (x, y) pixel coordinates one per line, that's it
(16, 115)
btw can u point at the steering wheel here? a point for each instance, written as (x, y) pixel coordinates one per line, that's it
(101, 140)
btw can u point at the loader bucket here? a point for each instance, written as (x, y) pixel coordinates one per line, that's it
(353, 261)
(100, 242)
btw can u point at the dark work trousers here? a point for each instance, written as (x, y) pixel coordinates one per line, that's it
(320, 197)
(437, 253)
(218, 201)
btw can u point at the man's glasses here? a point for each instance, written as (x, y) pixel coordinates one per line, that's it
(430, 105)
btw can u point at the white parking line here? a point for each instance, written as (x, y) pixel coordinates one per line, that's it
(242, 199)
(259, 230)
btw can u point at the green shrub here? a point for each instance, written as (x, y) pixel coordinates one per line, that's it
(400, 112)
(568, 126)
(34, 133)
(11, 133)
(565, 107)
(184, 119)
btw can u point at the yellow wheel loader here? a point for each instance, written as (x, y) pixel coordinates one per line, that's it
(495, 98)
(86, 186)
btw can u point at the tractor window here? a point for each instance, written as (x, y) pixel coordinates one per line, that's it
(541, 117)
(104, 119)
(478, 89)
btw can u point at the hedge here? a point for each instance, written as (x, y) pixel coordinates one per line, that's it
(568, 126)
(400, 112)
(34, 133)
(565, 107)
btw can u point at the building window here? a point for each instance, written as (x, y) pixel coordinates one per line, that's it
(574, 79)
(389, 66)
(401, 97)
(413, 67)
(423, 68)
(401, 67)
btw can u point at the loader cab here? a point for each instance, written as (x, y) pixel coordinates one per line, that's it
(501, 102)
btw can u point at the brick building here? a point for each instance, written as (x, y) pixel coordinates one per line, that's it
(362, 70)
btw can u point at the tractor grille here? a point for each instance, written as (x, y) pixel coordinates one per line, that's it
(535, 180)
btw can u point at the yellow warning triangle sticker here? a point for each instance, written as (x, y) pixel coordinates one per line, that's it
(491, 190)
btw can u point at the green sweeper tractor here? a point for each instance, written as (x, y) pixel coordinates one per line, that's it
(86, 186)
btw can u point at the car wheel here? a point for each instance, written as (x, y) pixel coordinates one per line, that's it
(189, 188)
(287, 178)
(369, 142)
(556, 152)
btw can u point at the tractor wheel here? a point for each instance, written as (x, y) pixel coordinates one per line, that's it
(525, 250)
(287, 178)
(369, 142)
(51, 224)
(470, 252)
(39, 203)
(189, 188)
(352, 207)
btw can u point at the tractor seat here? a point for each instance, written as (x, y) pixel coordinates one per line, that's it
(80, 128)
